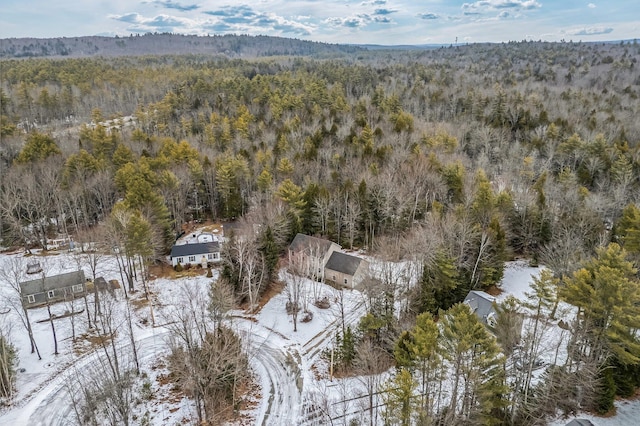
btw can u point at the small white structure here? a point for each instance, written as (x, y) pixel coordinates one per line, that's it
(206, 238)
(198, 253)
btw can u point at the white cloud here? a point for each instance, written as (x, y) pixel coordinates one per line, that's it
(350, 21)
(589, 31)
(428, 15)
(228, 19)
(484, 6)
(591, 6)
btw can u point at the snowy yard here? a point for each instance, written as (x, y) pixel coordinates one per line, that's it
(286, 364)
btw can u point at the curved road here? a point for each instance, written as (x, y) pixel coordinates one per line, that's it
(51, 405)
(274, 362)
(277, 362)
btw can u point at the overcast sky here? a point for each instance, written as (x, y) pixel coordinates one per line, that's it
(335, 21)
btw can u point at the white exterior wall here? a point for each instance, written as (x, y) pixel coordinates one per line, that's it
(194, 259)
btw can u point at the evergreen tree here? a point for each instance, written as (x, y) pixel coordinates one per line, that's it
(477, 368)
(427, 359)
(440, 287)
(606, 391)
(403, 350)
(398, 397)
(270, 252)
(38, 147)
(607, 295)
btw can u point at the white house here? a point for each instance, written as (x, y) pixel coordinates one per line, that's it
(197, 253)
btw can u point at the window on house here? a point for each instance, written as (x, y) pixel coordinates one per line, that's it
(216, 256)
(346, 281)
(192, 258)
(51, 294)
(31, 298)
(210, 256)
(333, 277)
(77, 288)
(181, 260)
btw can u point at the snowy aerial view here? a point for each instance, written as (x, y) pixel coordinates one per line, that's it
(342, 213)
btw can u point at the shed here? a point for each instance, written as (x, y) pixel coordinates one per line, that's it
(34, 267)
(102, 284)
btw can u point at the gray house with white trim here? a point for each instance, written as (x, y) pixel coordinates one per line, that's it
(53, 289)
(483, 305)
(197, 253)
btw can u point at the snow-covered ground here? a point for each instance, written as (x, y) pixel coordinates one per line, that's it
(41, 396)
(627, 414)
(294, 386)
(286, 364)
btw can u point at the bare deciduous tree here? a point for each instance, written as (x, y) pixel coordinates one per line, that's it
(12, 274)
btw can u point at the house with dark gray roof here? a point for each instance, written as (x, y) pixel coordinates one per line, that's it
(196, 253)
(53, 289)
(483, 305)
(345, 270)
(312, 254)
(580, 422)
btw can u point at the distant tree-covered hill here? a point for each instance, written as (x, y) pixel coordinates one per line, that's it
(166, 43)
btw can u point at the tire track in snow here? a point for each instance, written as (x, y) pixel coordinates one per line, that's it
(50, 406)
(277, 362)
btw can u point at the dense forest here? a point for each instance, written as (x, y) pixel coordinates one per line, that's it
(167, 44)
(456, 159)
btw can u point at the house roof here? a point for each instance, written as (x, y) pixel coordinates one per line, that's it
(481, 303)
(580, 422)
(344, 263)
(305, 242)
(52, 283)
(195, 249)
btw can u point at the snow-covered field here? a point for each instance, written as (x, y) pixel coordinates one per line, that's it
(41, 396)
